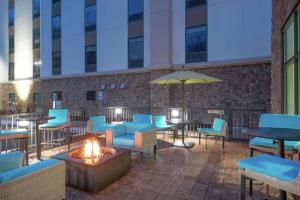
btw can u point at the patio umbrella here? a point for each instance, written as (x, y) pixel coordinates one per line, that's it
(184, 76)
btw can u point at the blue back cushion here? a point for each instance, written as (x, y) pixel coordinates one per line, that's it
(11, 161)
(160, 121)
(16, 173)
(279, 121)
(131, 128)
(97, 121)
(218, 124)
(61, 116)
(140, 118)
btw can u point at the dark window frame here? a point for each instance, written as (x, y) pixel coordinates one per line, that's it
(136, 16)
(11, 19)
(56, 34)
(59, 96)
(141, 65)
(91, 95)
(11, 45)
(36, 12)
(56, 70)
(187, 60)
(190, 4)
(91, 27)
(12, 99)
(37, 105)
(36, 36)
(11, 71)
(90, 67)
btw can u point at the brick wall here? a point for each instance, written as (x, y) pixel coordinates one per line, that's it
(281, 11)
(243, 86)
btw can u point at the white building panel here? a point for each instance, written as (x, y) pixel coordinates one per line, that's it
(4, 59)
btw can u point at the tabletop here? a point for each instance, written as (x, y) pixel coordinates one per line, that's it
(183, 122)
(274, 133)
(33, 119)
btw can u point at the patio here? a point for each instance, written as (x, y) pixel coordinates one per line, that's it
(180, 174)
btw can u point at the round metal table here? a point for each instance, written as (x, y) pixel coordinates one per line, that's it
(182, 124)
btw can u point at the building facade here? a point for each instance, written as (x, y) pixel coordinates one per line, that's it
(92, 53)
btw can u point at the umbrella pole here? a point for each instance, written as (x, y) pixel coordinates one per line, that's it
(183, 98)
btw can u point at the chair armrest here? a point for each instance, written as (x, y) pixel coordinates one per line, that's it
(89, 126)
(114, 131)
(145, 140)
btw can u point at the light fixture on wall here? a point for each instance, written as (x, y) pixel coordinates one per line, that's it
(112, 86)
(37, 63)
(174, 113)
(118, 111)
(102, 86)
(122, 85)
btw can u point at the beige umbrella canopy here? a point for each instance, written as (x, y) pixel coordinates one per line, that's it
(183, 77)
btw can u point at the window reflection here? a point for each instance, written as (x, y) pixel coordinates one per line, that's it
(196, 44)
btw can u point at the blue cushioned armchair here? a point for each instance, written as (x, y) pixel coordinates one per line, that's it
(276, 121)
(219, 129)
(42, 180)
(97, 125)
(160, 124)
(138, 137)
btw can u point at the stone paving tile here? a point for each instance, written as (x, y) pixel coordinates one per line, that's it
(181, 174)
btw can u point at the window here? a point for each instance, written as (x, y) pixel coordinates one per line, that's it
(135, 52)
(291, 61)
(36, 38)
(56, 27)
(11, 71)
(36, 102)
(90, 58)
(91, 95)
(57, 96)
(194, 3)
(36, 65)
(90, 17)
(135, 10)
(56, 63)
(35, 8)
(11, 44)
(196, 44)
(11, 16)
(11, 99)
(55, 1)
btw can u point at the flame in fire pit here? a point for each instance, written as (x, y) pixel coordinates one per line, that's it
(92, 149)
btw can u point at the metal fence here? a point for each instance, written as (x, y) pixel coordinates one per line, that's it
(237, 119)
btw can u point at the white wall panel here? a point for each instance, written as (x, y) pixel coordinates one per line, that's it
(4, 59)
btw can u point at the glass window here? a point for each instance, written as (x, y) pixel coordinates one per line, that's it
(55, 1)
(91, 95)
(36, 38)
(35, 8)
(90, 17)
(195, 3)
(135, 10)
(37, 102)
(57, 96)
(11, 99)
(56, 27)
(36, 65)
(11, 71)
(135, 52)
(289, 41)
(56, 63)
(11, 16)
(290, 89)
(11, 44)
(196, 44)
(91, 58)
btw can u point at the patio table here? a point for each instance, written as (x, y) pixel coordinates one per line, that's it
(182, 124)
(279, 135)
(37, 121)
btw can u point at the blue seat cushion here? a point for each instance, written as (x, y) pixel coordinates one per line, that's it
(126, 140)
(15, 131)
(264, 142)
(132, 127)
(16, 173)
(160, 122)
(10, 161)
(274, 166)
(142, 118)
(52, 125)
(166, 127)
(61, 116)
(208, 131)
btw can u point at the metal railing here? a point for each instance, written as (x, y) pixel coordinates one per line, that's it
(237, 119)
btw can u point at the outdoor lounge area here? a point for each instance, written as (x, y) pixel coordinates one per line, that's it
(149, 99)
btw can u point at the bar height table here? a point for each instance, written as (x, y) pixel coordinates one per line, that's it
(179, 123)
(278, 134)
(37, 121)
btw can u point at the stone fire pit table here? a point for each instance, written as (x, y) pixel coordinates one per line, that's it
(95, 176)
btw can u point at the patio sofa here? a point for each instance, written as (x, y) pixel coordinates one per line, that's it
(43, 180)
(139, 137)
(274, 171)
(270, 145)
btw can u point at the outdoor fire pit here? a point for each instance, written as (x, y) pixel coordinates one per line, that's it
(93, 167)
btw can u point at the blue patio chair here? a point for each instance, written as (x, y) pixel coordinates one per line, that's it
(160, 124)
(142, 118)
(274, 171)
(270, 145)
(97, 125)
(17, 182)
(60, 122)
(219, 129)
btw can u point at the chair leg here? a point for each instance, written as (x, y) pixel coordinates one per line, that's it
(299, 157)
(206, 141)
(223, 142)
(268, 191)
(142, 156)
(250, 180)
(154, 150)
(243, 187)
(199, 138)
